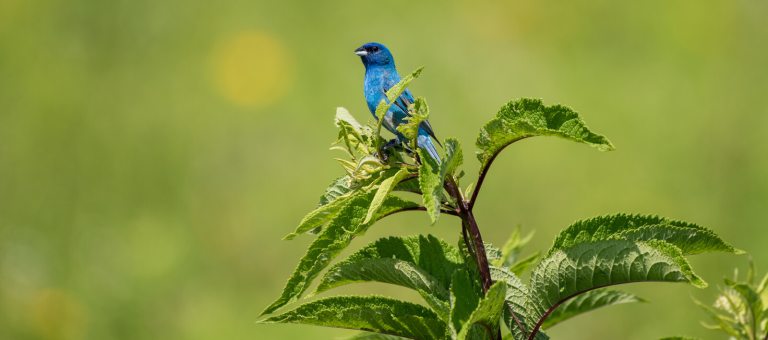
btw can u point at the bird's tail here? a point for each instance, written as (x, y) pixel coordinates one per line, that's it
(425, 142)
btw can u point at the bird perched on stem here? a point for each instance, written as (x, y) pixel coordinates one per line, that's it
(380, 76)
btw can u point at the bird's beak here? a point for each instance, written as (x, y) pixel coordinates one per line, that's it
(361, 52)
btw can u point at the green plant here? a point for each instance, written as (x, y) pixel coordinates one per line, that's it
(472, 288)
(741, 309)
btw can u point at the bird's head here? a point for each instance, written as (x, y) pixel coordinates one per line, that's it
(375, 54)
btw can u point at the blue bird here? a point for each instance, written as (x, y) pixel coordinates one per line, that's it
(380, 76)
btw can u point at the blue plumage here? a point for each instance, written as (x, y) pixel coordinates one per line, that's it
(380, 76)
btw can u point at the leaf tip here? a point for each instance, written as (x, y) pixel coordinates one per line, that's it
(608, 146)
(289, 236)
(266, 311)
(263, 320)
(432, 219)
(698, 282)
(418, 71)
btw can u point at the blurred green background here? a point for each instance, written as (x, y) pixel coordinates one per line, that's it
(152, 153)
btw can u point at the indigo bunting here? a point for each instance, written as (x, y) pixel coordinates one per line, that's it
(380, 76)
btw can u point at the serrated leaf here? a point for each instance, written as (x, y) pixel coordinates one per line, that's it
(566, 273)
(368, 313)
(430, 184)
(690, 238)
(396, 272)
(343, 116)
(334, 238)
(487, 313)
(374, 336)
(353, 138)
(453, 158)
(383, 191)
(410, 127)
(335, 197)
(492, 253)
(320, 216)
(518, 306)
(422, 263)
(395, 91)
(588, 302)
(523, 118)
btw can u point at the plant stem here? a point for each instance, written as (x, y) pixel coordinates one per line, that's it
(471, 230)
(476, 239)
(480, 254)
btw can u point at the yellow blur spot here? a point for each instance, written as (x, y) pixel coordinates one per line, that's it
(57, 315)
(252, 69)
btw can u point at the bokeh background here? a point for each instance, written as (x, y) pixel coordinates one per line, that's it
(153, 153)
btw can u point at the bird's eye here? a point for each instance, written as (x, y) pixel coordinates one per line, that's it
(375, 49)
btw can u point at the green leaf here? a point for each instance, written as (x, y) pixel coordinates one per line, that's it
(320, 216)
(724, 322)
(410, 184)
(566, 273)
(410, 127)
(525, 118)
(334, 238)
(422, 263)
(392, 94)
(385, 188)
(492, 253)
(588, 302)
(336, 196)
(344, 117)
(690, 238)
(395, 91)
(512, 247)
(430, 184)
(340, 187)
(517, 312)
(368, 313)
(453, 158)
(751, 307)
(465, 297)
(374, 336)
(395, 272)
(678, 338)
(487, 313)
(522, 265)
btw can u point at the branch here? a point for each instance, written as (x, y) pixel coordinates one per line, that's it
(468, 219)
(471, 233)
(480, 179)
